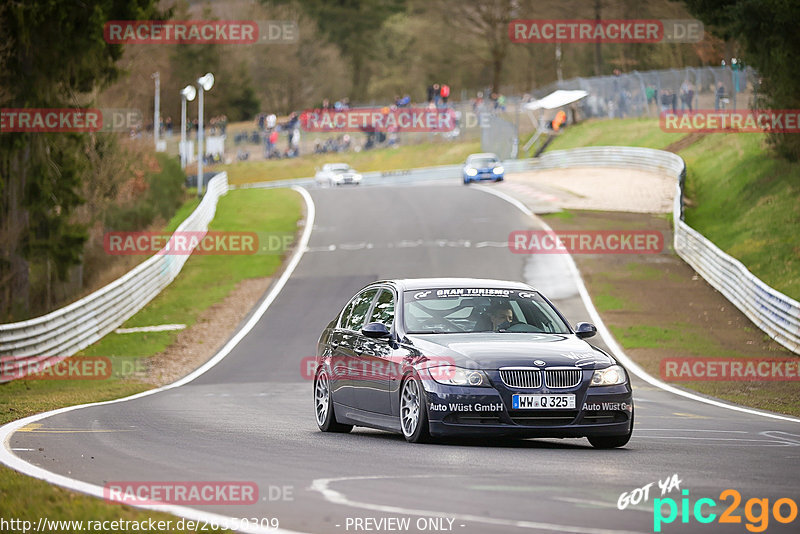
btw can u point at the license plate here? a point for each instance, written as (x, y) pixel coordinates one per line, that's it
(542, 402)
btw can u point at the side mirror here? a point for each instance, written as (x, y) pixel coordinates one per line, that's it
(584, 330)
(375, 330)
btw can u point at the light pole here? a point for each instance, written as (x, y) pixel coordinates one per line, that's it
(205, 83)
(188, 93)
(156, 110)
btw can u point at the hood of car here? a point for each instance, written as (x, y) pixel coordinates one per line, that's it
(494, 350)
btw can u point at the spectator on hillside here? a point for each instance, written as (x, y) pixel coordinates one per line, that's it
(687, 95)
(666, 100)
(477, 102)
(430, 91)
(445, 92)
(437, 94)
(719, 97)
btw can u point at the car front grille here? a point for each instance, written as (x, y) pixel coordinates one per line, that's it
(521, 377)
(563, 378)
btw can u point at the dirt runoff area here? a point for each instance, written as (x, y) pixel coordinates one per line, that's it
(594, 188)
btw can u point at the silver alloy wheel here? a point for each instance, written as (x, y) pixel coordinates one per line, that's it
(322, 396)
(409, 407)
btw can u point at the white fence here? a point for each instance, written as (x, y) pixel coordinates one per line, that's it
(47, 339)
(773, 312)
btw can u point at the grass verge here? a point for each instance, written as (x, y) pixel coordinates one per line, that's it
(25, 498)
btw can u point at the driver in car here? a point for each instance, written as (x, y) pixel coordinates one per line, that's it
(498, 317)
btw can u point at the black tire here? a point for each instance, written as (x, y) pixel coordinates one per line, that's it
(467, 182)
(414, 431)
(323, 405)
(612, 442)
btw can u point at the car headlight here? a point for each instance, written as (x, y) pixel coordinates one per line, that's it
(610, 376)
(472, 172)
(451, 375)
(498, 170)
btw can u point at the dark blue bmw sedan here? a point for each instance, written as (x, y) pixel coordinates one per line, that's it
(452, 356)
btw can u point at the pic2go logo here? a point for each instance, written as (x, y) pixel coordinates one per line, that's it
(783, 511)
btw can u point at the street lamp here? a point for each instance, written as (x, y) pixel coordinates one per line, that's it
(187, 93)
(156, 108)
(205, 83)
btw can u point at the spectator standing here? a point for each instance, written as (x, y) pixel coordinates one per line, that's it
(437, 94)
(445, 92)
(718, 96)
(430, 93)
(687, 95)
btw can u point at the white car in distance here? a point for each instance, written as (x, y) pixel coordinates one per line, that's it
(337, 174)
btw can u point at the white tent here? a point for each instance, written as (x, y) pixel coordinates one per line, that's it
(554, 100)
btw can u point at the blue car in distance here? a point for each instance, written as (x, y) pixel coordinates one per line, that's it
(483, 167)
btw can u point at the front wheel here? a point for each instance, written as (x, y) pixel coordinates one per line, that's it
(414, 411)
(323, 405)
(611, 442)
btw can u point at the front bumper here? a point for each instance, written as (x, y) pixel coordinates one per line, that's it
(463, 410)
(482, 177)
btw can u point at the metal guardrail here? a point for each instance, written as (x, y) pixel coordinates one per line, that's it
(47, 339)
(773, 312)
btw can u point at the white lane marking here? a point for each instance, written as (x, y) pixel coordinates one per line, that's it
(777, 443)
(18, 464)
(322, 485)
(156, 328)
(689, 430)
(599, 504)
(771, 434)
(23, 449)
(438, 243)
(609, 339)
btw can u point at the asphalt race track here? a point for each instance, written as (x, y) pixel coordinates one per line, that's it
(250, 417)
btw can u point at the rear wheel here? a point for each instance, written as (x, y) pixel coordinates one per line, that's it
(323, 405)
(414, 412)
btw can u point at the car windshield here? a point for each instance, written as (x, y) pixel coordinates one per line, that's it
(482, 162)
(459, 310)
(340, 169)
